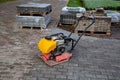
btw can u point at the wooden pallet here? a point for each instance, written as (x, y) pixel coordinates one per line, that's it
(32, 14)
(93, 33)
(30, 27)
(61, 24)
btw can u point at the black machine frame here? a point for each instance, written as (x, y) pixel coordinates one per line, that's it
(68, 38)
(74, 42)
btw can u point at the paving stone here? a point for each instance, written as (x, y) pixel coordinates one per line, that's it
(43, 79)
(84, 78)
(93, 58)
(31, 78)
(73, 77)
(49, 76)
(61, 76)
(102, 76)
(97, 79)
(62, 70)
(68, 73)
(90, 75)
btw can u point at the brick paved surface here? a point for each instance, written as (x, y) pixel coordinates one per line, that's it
(93, 58)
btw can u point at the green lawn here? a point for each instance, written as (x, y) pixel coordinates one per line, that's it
(2, 1)
(107, 4)
(92, 4)
(74, 3)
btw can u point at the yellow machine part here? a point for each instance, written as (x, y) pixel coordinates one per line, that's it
(46, 46)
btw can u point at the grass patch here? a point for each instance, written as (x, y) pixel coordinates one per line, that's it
(107, 4)
(75, 3)
(2, 1)
(92, 4)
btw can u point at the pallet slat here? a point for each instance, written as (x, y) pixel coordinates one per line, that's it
(30, 27)
(102, 24)
(92, 33)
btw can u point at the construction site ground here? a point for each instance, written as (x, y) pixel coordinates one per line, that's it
(93, 58)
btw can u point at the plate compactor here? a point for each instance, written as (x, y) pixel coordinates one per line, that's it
(54, 47)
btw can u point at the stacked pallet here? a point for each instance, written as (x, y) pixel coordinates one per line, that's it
(34, 15)
(97, 12)
(100, 27)
(68, 14)
(67, 18)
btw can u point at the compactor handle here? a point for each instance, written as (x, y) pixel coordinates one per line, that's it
(77, 22)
